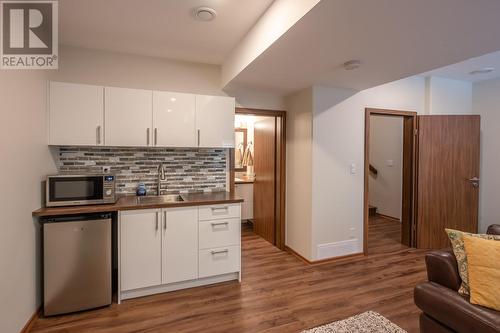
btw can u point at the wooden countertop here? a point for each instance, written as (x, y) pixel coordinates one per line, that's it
(131, 203)
(244, 180)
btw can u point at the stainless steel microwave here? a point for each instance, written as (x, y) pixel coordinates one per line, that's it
(71, 190)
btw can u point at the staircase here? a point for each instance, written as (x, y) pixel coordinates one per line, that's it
(372, 211)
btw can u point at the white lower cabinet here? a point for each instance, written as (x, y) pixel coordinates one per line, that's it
(175, 248)
(221, 260)
(219, 233)
(179, 244)
(245, 191)
(140, 258)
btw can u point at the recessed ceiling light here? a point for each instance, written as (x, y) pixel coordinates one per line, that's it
(484, 70)
(204, 14)
(352, 64)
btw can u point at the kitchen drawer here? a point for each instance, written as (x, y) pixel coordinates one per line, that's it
(217, 212)
(217, 261)
(219, 233)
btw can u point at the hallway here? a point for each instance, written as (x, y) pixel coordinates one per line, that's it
(384, 235)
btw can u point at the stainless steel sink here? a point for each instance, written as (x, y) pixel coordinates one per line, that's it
(160, 199)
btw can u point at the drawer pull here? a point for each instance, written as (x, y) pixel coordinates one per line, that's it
(220, 252)
(214, 224)
(219, 208)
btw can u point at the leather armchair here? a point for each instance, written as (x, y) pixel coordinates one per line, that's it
(443, 308)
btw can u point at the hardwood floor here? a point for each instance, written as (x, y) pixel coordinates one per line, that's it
(384, 235)
(279, 293)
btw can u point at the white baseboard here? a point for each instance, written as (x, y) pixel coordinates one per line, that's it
(179, 285)
(337, 249)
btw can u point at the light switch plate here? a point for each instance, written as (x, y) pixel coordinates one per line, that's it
(353, 169)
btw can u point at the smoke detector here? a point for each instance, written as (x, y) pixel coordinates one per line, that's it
(204, 14)
(484, 70)
(351, 65)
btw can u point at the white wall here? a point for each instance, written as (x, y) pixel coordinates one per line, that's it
(446, 96)
(486, 103)
(386, 154)
(25, 162)
(278, 18)
(299, 172)
(338, 142)
(132, 71)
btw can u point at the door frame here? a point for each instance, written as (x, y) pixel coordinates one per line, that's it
(409, 171)
(279, 208)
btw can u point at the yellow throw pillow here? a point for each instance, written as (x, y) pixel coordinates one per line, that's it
(483, 257)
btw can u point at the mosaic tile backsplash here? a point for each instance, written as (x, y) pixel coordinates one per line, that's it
(188, 170)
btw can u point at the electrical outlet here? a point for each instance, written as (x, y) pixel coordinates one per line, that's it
(106, 169)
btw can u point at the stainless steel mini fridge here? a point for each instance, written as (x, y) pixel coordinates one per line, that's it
(76, 263)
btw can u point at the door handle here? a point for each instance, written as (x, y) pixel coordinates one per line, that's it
(474, 181)
(164, 220)
(156, 228)
(198, 138)
(147, 134)
(156, 136)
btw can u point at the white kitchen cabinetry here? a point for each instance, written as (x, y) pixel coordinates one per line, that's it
(108, 116)
(169, 249)
(220, 239)
(174, 119)
(215, 121)
(140, 263)
(128, 117)
(245, 191)
(76, 114)
(180, 244)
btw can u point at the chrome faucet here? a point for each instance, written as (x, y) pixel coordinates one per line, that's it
(161, 176)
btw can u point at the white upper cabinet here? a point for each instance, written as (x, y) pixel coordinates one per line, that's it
(128, 117)
(89, 115)
(174, 119)
(76, 114)
(215, 121)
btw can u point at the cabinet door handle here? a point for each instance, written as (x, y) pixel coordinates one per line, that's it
(220, 252)
(156, 221)
(147, 134)
(98, 134)
(165, 220)
(214, 224)
(156, 136)
(198, 137)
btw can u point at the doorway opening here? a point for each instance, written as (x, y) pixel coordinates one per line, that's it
(389, 191)
(258, 171)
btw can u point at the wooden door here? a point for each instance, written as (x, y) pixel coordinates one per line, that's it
(128, 117)
(76, 114)
(264, 192)
(215, 121)
(140, 245)
(174, 119)
(179, 244)
(448, 160)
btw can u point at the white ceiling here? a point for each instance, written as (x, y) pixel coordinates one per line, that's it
(159, 28)
(392, 38)
(461, 70)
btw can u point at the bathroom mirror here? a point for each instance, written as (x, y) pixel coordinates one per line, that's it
(240, 139)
